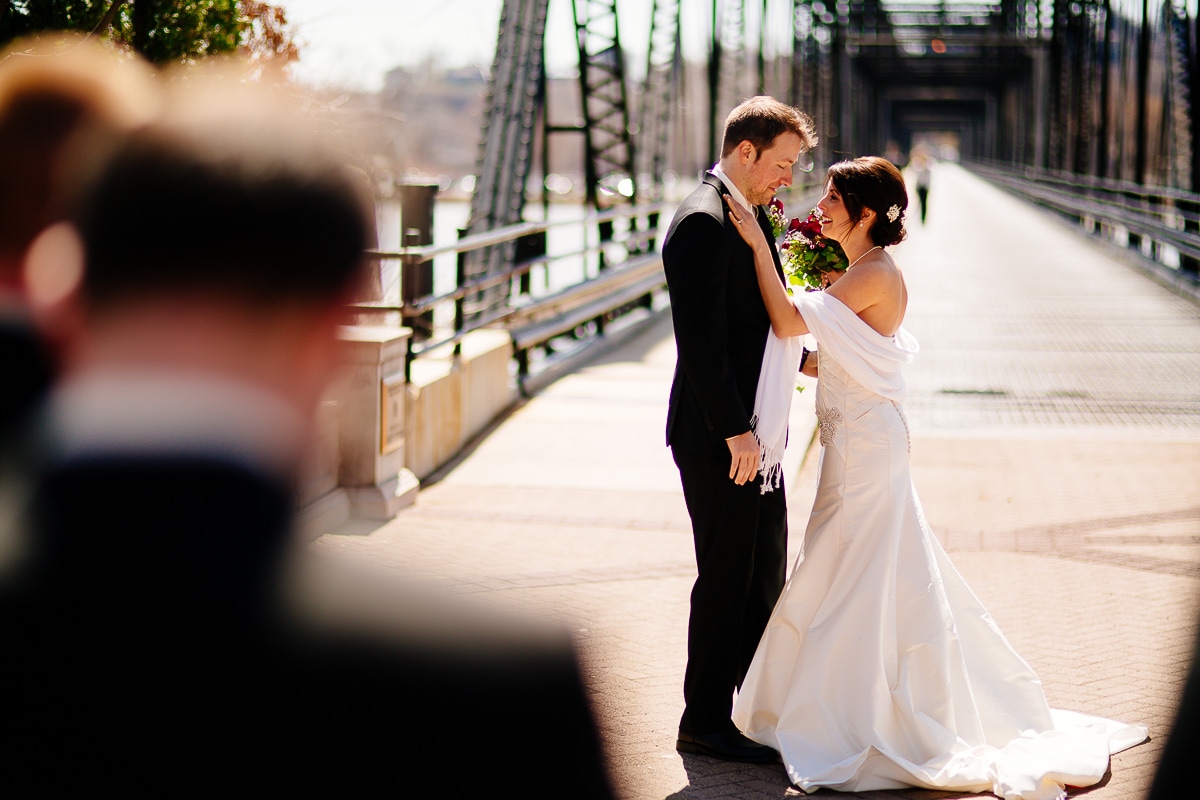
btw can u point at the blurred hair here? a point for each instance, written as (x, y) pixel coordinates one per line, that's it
(875, 183)
(760, 120)
(53, 89)
(226, 193)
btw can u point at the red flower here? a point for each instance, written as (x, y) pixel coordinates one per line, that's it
(808, 255)
(810, 228)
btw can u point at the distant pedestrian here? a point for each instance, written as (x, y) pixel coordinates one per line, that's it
(924, 167)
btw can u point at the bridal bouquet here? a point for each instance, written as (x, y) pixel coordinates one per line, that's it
(807, 253)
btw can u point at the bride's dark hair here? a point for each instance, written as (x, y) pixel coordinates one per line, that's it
(875, 183)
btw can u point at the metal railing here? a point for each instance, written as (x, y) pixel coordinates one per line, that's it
(1160, 224)
(624, 247)
(622, 242)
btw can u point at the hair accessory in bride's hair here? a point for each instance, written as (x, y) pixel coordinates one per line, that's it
(893, 212)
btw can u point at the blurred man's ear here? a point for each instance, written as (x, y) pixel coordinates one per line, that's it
(53, 278)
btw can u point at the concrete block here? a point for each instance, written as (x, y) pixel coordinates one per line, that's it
(372, 397)
(384, 501)
(433, 414)
(490, 387)
(452, 399)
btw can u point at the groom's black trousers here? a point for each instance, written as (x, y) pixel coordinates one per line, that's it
(741, 550)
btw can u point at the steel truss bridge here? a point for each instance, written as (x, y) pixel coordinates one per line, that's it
(1083, 105)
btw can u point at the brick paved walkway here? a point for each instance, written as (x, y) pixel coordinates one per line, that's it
(1055, 410)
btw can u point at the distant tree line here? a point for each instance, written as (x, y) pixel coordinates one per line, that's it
(162, 31)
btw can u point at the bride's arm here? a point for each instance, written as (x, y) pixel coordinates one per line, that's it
(785, 317)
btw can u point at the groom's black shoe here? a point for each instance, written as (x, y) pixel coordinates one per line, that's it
(729, 746)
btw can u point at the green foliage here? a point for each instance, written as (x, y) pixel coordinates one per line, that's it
(169, 30)
(162, 31)
(23, 17)
(805, 261)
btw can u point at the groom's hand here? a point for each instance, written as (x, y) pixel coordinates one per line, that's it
(744, 449)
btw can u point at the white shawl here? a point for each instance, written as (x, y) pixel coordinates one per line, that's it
(869, 357)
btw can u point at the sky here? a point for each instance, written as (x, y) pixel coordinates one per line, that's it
(353, 43)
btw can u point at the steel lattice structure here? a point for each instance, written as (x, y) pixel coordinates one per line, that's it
(1096, 88)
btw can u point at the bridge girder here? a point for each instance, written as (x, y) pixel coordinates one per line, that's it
(1102, 87)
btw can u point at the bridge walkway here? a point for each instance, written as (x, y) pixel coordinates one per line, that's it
(1055, 415)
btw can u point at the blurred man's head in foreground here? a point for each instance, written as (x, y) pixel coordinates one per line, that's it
(222, 238)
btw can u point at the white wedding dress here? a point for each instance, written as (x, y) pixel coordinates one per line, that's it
(879, 668)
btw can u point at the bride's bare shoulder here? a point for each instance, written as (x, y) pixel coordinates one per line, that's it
(877, 271)
(874, 289)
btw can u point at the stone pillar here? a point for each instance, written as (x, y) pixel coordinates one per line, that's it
(371, 397)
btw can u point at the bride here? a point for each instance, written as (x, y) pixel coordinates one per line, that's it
(879, 668)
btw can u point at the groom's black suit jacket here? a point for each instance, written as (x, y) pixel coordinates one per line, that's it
(720, 322)
(721, 328)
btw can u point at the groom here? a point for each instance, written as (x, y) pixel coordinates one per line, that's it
(721, 330)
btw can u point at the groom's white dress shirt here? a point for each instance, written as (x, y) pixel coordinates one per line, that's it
(734, 191)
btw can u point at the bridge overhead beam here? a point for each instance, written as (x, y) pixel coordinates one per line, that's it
(506, 148)
(1099, 87)
(1116, 91)
(965, 112)
(609, 158)
(660, 96)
